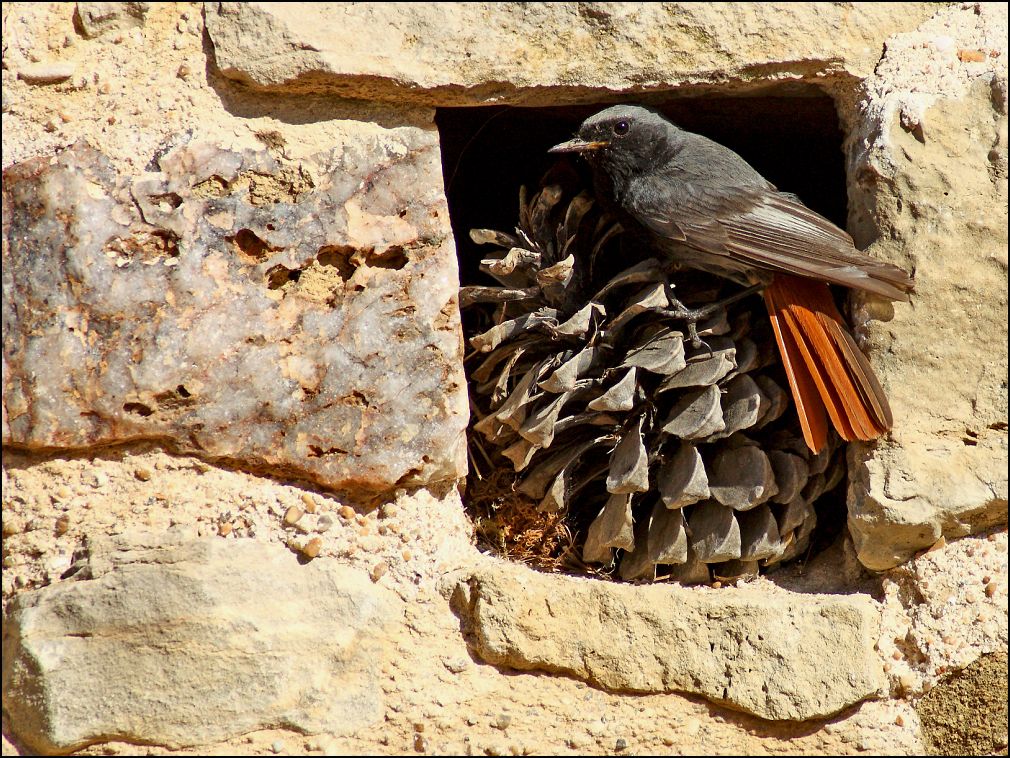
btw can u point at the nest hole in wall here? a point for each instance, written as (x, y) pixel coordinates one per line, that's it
(601, 442)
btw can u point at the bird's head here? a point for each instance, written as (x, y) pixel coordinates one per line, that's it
(624, 140)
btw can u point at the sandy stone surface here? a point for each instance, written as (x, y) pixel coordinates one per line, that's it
(192, 627)
(928, 188)
(410, 52)
(731, 645)
(967, 715)
(419, 548)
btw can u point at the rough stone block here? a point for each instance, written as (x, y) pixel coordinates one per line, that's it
(432, 53)
(778, 656)
(298, 318)
(190, 628)
(928, 164)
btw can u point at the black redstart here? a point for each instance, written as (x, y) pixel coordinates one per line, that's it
(709, 209)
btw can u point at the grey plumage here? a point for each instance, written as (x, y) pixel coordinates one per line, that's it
(711, 210)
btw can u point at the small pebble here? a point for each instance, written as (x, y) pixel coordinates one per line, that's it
(990, 589)
(419, 727)
(324, 523)
(896, 655)
(277, 746)
(621, 744)
(309, 502)
(346, 512)
(47, 73)
(291, 515)
(502, 721)
(143, 474)
(224, 528)
(312, 547)
(378, 570)
(12, 524)
(457, 666)
(420, 743)
(62, 525)
(899, 720)
(407, 555)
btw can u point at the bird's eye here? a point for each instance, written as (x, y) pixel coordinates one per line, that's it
(621, 128)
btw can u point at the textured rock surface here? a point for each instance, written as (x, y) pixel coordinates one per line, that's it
(967, 714)
(96, 19)
(190, 628)
(928, 169)
(434, 54)
(298, 317)
(728, 646)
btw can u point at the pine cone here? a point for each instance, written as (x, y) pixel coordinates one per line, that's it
(658, 453)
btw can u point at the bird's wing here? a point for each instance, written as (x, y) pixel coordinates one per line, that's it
(768, 230)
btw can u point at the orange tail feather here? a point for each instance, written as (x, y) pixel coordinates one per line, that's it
(828, 375)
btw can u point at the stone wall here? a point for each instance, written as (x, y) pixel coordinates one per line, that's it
(234, 406)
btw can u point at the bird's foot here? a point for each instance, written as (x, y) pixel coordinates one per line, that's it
(692, 316)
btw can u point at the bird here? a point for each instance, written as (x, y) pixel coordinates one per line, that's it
(708, 209)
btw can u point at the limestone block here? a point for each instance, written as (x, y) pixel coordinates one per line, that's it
(780, 656)
(169, 630)
(927, 161)
(478, 52)
(300, 318)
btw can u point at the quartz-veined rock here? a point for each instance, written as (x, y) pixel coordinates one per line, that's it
(301, 317)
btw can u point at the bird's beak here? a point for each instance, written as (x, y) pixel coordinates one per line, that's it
(577, 145)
